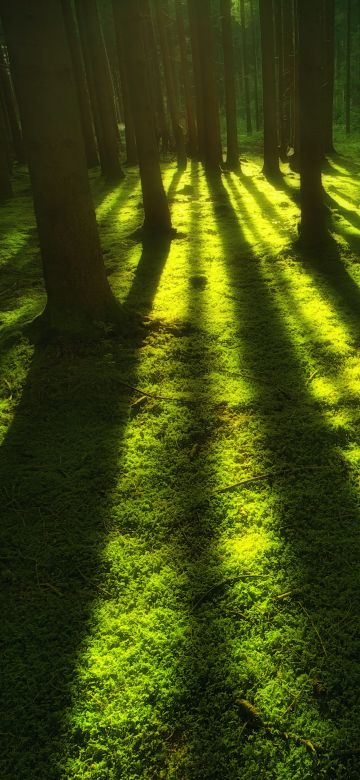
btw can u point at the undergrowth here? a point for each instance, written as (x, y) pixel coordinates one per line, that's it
(180, 508)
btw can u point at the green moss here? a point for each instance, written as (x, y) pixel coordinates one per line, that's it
(145, 594)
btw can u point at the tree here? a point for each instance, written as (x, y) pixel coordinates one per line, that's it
(75, 279)
(5, 173)
(329, 74)
(170, 87)
(133, 18)
(11, 107)
(130, 140)
(255, 65)
(245, 60)
(81, 85)
(271, 157)
(313, 216)
(232, 152)
(102, 89)
(208, 119)
(191, 124)
(348, 69)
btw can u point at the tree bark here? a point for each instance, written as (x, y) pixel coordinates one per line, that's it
(313, 216)
(170, 87)
(245, 68)
(190, 114)
(329, 25)
(232, 152)
(156, 210)
(5, 172)
(208, 107)
(75, 278)
(288, 73)
(271, 157)
(109, 144)
(11, 108)
(130, 140)
(279, 35)
(81, 85)
(348, 69)
(255, 66)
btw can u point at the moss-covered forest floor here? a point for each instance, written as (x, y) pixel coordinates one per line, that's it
(180, 507)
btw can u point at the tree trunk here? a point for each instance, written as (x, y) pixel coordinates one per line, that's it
(279, 35)
(255, 66)
(232, 154)
(191, 124)
(75, 278)
(155, 80)
(11, 108)
(208, 102)
(295, 130)
(109, 146)
(170, 87)
(5, 172)
(313, 217)
(156, 210)
(348, 69)
(199, 100)
(271, 157)
(288, 73)
(81, 86)
(130, 140)
(245, 68)
(329, 29)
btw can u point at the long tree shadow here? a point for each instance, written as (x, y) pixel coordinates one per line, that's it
(58, 463)
(315, 501)
(328, 265)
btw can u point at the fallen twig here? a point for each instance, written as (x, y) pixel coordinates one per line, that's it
(314, 626)
(268, 475)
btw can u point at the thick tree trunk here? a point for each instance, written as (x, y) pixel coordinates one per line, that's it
(11, 108)
(130, 140)
(211, 152)
(295, 129)
(190, 113)
(313, 216)
(255, 65)
(232, 154)
(81, 86)
(329, 29)
(271, 157)
(245, 68)
(75, 278)
(156, 210)
(170, 87)
(5, 172)
(92, 36)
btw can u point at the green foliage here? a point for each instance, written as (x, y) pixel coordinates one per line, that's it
(145, 597)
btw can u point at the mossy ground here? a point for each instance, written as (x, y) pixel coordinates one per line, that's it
(144, 600)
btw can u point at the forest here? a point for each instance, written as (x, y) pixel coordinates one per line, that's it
(180, 389)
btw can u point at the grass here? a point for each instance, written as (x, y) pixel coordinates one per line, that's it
(171, 551)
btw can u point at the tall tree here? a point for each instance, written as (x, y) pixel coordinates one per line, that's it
(133, 18)
(75, 278)
(271, 157)
(11, 107)
(288, 72)
(329, 57)
(103, 90)
(170, 86)
(5, 174)
(186, 80)
(348, 69)
(130, 140)
(313, 228)
(255, 64)
(207, 103)
(81, 85)
(232, 151)
(279, 37)
(244, 50)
